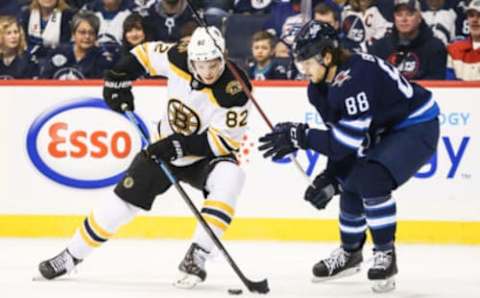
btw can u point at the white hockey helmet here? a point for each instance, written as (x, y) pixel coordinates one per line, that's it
(206, 46)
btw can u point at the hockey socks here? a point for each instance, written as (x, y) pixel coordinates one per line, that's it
(102, 223)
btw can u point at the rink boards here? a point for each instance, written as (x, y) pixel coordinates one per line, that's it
(62, 151)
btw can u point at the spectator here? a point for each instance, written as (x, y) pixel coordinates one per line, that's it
(77, 4)
(252, 6)
(166, 18)
(327, 14)
(47, 24)
(142, 6)
(112, 14)
(294, 19)
(9, 8)
(362, 23)
(464, 55)
(411, 47)
(263, 67)
(82, 59)
(440, 20)
(134, 32)
(15, 62)
(461, 24)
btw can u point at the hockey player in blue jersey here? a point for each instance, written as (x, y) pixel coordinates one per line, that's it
(380, 130)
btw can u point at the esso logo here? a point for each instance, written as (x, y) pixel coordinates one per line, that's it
(83, 144)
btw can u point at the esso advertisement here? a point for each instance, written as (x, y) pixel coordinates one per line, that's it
(83, 144)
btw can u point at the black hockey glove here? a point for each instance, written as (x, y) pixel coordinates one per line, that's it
(117, 90)
(168, 149)
(325, 188)
(285, 138)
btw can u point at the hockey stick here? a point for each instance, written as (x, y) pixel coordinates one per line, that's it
(203, 23)
(253, 286)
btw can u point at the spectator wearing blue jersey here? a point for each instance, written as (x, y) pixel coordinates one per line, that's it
(412, 47)
(47, 25)
(166, 18)
(15, 62)
(82, 59)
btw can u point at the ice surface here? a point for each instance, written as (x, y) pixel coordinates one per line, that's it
(147, 268)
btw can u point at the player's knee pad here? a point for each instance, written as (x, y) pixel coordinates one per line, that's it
(225, 182)
(370, 179)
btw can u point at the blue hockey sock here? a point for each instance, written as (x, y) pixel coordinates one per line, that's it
(381, 219)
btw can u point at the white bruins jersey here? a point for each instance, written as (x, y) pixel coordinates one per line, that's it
(221, 110)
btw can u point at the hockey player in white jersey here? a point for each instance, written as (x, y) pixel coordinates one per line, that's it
(201, 130)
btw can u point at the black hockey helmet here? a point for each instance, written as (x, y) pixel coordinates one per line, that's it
(312, 39)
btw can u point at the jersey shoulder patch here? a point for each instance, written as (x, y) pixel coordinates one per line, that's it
(177, 55)
(228, 90)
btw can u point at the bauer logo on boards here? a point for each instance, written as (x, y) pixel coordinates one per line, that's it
(83, 144)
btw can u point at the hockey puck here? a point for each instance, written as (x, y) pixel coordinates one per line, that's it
(235, 291)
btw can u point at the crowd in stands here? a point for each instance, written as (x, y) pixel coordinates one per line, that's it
(79, 39)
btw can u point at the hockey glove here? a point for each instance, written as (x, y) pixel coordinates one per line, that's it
(285, 138)
(168, 149)
(117, 90)
(325, 187)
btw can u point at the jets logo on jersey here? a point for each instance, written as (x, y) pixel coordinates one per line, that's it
(407, 63)
(68, 73)
(182, 119)
(341, 77)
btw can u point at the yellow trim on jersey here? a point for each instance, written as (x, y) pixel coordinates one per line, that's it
(211, 96)
(86, 238)
(220, 205)
(219, 148)
(242, 228)
(214, 221)
(179, 72)
(98, 229)
(141, 52)
(231, 142)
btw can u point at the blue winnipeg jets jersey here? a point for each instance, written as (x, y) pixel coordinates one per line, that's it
(367, 99)
(62, 64)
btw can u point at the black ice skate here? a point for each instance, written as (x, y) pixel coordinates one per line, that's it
(61, 264)
(383, 271)
(340, 264)
(192, 268)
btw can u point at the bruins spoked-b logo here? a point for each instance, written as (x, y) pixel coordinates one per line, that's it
(182, 119)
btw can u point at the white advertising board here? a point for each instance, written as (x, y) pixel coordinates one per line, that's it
(61, 151)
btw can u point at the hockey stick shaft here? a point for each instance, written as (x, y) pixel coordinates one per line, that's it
(252, 286)
(203, 23)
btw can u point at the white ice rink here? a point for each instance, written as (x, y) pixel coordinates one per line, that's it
(146, 268)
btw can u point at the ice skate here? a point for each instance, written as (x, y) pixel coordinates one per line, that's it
(383, 271)
(340, 264)
(61, 264)
(192, 268)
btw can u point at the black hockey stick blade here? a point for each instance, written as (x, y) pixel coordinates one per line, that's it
(260, 287)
